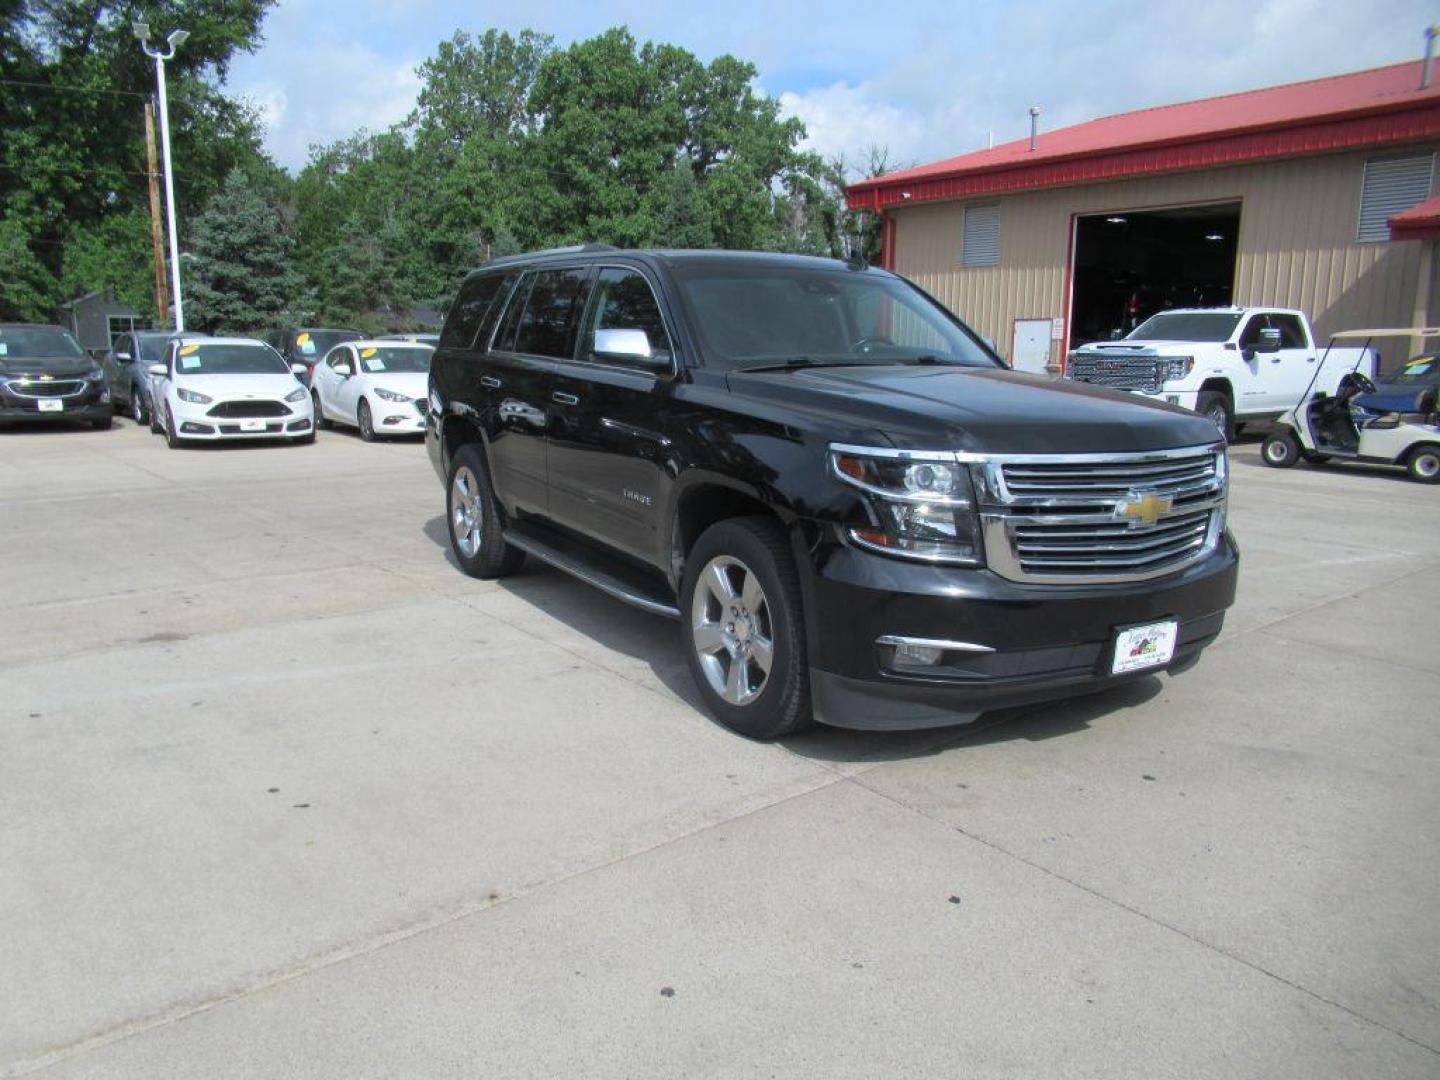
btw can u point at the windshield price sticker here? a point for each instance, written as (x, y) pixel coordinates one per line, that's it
(189, 363)
(4, 349)
(1143, 647)
(368, 352)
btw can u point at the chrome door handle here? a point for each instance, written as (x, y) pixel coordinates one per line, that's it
(564, 399)
(490, 381)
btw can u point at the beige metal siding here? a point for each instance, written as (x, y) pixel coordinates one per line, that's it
(1296, 248)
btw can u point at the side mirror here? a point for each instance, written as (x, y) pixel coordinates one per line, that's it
(299, 369)
(1269, 340)
(626, 345)
(158, 370)
(124, 357)
(345, 371)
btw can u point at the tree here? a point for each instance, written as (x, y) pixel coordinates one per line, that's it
(242, 277)
(72, 163)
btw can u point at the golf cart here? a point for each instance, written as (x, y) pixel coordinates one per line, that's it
(1358, 423)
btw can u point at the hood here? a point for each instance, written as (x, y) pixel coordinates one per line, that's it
(415, 384)
(230, 387)
(59, 366)
(1138, 347)
(979, 410)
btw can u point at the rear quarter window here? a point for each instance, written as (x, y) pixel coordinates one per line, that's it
(469, 312)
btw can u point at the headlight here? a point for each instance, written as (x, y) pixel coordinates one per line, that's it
(192, 397)
(95, 376)
(298, 394)
(390, 395)
(1180, 366)
(921, 507)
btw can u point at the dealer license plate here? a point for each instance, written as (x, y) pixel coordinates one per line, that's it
(252, 425)
(1142, 647)
(51, 405)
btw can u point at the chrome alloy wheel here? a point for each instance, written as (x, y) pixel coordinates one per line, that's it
(732, 630)
(467, 515)
(1427, 465)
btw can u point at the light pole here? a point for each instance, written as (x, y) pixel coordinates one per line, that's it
(175, 39)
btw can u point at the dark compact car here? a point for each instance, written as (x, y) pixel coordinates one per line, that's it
(857, 513)
(46, 375)
(127, 369)
(307, 344)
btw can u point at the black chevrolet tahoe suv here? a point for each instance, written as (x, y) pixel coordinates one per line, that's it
(46, 375)
(856, 512)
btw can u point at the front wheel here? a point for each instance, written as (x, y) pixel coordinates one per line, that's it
(1216, 408)
(1423, 464)
(745, 628)
(172, 437)
(1281, 449)
(320, 420)
(476, 525)
(365, 422)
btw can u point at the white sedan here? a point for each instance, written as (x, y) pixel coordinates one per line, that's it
(381, 387)
(213, 389)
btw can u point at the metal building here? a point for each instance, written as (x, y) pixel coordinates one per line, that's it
(98, 318)
(1279, 196)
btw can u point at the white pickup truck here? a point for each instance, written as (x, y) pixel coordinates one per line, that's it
(1231, 364)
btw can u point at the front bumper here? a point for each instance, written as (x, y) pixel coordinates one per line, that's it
(1048, 642)
(195, 421)
(397, 417)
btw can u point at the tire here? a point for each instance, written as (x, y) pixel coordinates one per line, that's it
(1216, 407)
(741, 588)
(476, 522)
(364, 421)
(320, 421)
(1280, 450)
(172, 439)
(103, 424)
(138, 412)
(1423, 464)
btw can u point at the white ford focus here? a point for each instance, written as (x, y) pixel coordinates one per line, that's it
(229, 388)
(381, 387)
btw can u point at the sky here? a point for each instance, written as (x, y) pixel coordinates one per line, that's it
(922, 80)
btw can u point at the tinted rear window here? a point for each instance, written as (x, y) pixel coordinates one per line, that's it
(468, 313)
(546, 328)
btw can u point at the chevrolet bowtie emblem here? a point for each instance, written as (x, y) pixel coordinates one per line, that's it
(1143, 509)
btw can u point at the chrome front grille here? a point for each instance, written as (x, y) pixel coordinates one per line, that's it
(1121, 372)
(1092, 518)
(43, 388)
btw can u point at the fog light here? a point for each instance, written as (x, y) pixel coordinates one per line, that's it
(917, 655)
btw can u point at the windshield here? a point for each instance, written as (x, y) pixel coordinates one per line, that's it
(398, 358)
(749, 314)
(319, 342)
(1186, 326)
(254, 359)
(1422, 371)
(26, 341)
(152, 349)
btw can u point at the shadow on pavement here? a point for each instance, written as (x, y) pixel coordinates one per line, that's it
(657, 642)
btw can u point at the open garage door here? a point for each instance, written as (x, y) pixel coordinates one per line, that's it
(1130, 264)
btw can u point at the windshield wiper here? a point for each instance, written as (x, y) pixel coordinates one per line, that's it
(791, 363)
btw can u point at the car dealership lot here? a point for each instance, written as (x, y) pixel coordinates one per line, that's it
(283, 793)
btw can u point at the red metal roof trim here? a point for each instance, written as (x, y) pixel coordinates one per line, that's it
(1344, 112)
(1420, 222)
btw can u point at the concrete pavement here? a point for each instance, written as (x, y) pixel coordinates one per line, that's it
(283, 793)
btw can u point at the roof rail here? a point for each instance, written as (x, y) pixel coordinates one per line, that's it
(571, 249)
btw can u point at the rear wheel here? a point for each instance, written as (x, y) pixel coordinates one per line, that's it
(1216, 407)
(745, 630)
(476, 522)
(1423, 464)
(365, 421)
(1281, 449)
